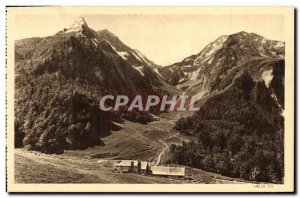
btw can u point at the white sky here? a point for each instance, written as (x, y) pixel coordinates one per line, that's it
(164, 39)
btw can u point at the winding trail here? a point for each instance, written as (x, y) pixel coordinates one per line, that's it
(163, 151)
(172, 136)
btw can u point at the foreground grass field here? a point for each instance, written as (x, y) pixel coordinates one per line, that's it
(34, 167)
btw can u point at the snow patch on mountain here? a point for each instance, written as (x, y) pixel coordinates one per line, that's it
(267, 76)
(137, 57)
(279, 44)
(80, 34)
(194, 74)
(139, 69)
(77, 26)
(95, 42)
(210, 60)
(157, 72)
(181, 80)
(123, 54)
(120, 53)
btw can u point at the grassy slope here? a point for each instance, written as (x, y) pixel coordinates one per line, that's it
(34, 167)
(134, 141)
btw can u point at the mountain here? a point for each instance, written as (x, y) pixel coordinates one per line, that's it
(59, 80)
(239, 81)
(216, 67)
(147, 68)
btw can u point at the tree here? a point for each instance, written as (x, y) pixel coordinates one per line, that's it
(220, 140)
(234, 144)
(253, 173)
(19, 133)
(209, 163)
(205, 138)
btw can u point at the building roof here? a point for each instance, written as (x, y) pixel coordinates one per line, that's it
(165, 170)
(127, 163)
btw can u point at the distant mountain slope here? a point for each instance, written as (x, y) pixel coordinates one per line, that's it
(221, 61)
(239, 82)
(240, 134)
(59, 80)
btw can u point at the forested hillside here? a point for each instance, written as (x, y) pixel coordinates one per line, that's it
(240, 131)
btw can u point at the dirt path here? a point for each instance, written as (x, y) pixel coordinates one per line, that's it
(166, 147)
(161, 153)
(172, 136)
(71, 165)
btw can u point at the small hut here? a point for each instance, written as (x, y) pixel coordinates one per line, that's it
(168, 171)
(133, 166)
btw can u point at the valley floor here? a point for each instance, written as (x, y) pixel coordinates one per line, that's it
(96, 165)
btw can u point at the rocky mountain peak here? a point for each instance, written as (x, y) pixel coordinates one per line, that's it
(79, 24)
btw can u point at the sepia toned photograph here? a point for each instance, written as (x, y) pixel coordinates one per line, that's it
(101, 99)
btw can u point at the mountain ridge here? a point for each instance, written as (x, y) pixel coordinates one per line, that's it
(221, 61)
